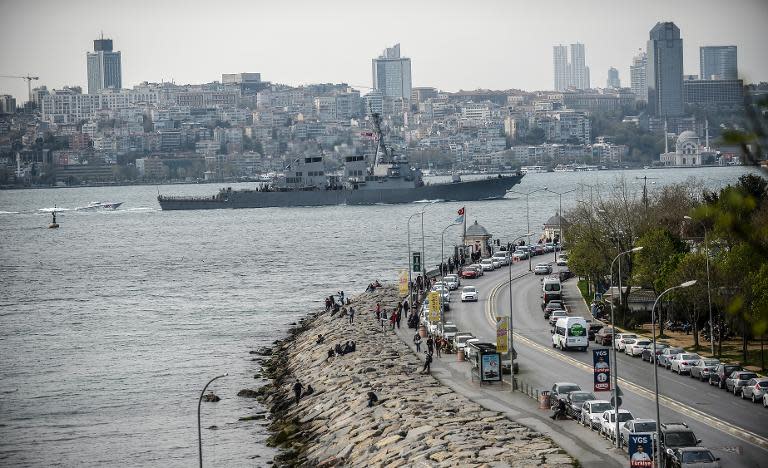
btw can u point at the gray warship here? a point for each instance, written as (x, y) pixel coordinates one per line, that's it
(389, 179)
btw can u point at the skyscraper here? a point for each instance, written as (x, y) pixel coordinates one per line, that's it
(392, 73)
(718, 63)
(637, 76)
(665, 71)
(562, 71)
(613, 79)
(104, 69)
(573, 73)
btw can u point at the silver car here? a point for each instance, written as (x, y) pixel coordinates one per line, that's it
(755, 389)
(645, 426)
(592, 411)
(682, 363)
(693, 457)
(703, 368)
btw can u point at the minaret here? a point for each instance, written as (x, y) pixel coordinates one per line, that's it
(666, 148)
(706, 132)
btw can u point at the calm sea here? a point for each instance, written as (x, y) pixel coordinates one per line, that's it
(111, 325)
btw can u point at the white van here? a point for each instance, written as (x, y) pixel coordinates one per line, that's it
(503, 256)
(571, 332)
(551, 288)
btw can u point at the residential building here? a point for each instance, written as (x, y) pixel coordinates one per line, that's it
(637, 76)
(599, 100)
(422, 94)
(246, 83)
(714, 93)
(665, 71)
(104, 68)
(718, 63)
(151, 168)
(392, 74)
(570, 74)
(613, 79)
(579, 69)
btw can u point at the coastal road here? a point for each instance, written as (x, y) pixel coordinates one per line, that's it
(734, 429)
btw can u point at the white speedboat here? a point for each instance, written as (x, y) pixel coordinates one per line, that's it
(93, 206)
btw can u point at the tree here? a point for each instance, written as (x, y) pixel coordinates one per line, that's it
(535, 136)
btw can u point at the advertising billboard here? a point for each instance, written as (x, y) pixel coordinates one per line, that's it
(602, 368)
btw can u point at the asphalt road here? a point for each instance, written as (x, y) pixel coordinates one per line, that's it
(735, 430)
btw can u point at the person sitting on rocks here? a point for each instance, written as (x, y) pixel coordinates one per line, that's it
(372, 399)
(336, 308)
(352, 345)
(320, 339)
(331, 353)
(339, 350)
(376, 284)
(309, 390)
(347, 347)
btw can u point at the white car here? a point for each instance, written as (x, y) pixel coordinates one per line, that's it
(452, 281)
(503, 257)
(556, 314)
(682, 363)
(443, 290)
(592, 411)
(542, 269)
(562, 260)
(619, 342)
(608, 421)
(468, 293)
(496, 263)
(487, 264)
(636, 349)
(636, 426)
(449, 330)
(460, 340)
(520, 255)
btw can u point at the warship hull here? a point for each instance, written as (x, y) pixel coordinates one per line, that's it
(483, 189)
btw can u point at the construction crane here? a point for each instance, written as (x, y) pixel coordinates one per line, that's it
(29, 82)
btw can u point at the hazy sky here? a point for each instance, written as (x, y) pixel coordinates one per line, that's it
(453, 44)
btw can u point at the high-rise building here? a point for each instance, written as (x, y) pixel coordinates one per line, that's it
(570, 74)
(392, 73)
(718, 63)
(664, 71)
(7, 104)
(637, 76)
(613, 79)
(104, 70)
(562, 71)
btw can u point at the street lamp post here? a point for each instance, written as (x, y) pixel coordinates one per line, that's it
(559, 216)
(511, 326)
(709, 295)
(656, 368)
(528, 219)
(442, 255)
(199, 431)
(613, 344)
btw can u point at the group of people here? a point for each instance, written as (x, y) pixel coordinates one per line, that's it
(392, 317)
(372, 286)
(298, 390)
(340, 350)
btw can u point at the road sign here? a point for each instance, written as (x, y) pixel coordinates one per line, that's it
(613, 402)
(640, 451)
(602, 369)
(502, 334)
(434, 306)
(416, 264)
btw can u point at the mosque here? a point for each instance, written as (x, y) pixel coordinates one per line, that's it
(688, 150)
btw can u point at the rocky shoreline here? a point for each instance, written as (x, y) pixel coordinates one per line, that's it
(416, 420)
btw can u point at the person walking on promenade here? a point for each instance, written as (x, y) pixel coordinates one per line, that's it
(399, 317)
(351, 314)
(438, 345)
(393, 319)
(427, 363)
(405, 307)
(297, 387)
(430, 345)
(417, 342)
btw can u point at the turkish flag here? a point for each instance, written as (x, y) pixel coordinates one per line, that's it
(461, 211)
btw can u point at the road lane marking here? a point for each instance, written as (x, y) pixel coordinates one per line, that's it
(702, 417)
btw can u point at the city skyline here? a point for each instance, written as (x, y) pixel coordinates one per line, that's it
(451, 45)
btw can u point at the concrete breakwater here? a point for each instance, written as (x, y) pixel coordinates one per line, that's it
(415, 422)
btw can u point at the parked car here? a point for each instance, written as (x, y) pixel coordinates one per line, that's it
(478, 268)
(562, 260)
(503, 257)
(754, 389)
(621, 340)
(604, 336)
(542, 269)
(765, 400)
(683, 362)
(667, 353)
(460, 339)
(553, 305)
(452, 281)
(608, 421)
(469, 273)
(697, 457)
(722, 372)
(560, 389)
(648, 352)
(565, 274)
(636, 349)
(469, 293)
(675, 435)
(592, 411)
(645, 426)
(487, 264)
(703, 368)
(449, 330)
(574, 401)
(594, 328)
(556, 314)
(737, 380)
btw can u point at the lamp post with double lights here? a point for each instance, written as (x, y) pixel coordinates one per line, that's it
(423, 256)
(613, 339)
(709, 294)
(559, 217)
(528, 219)
(511, 325)
(656, 368)
(442, 256)
(199, 431)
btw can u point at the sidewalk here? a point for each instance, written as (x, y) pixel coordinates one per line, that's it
(587, 447)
